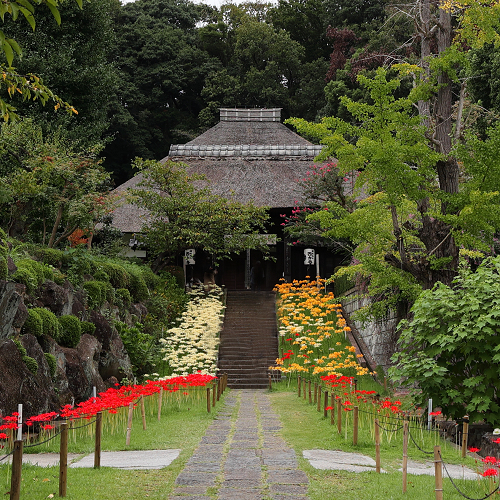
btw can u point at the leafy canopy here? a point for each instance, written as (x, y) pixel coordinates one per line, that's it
(451, 346)
(184, 213)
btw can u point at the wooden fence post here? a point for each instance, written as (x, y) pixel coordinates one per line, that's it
(299, 381)
(208, 399)
(17, 466)
(377, 446)
(405, 455)
(325, 404)
(319, 398)
(315, 392)
(270, 383)
(438, 473)
(339, 416)
(465, 436)
(63, 460)
(355, 426)
(214, 394)
(129, 423)
(98, 435)
(309, 389)
(304, 388)
(143, 413)
(219, 388)
(160, 401)
(332, 411)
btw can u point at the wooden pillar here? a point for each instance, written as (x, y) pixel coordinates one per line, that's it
(63, 460)
(98, 435)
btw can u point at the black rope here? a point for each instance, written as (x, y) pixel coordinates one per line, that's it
(82, 426)
(6, 456)
(457, 488)
(390, 430)
(43, 442)
(415, 443)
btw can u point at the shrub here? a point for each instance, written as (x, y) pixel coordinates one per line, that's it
(50, 324)
(178, 273)
(87, 327)
(100, 275)
(52, 362)
(32, 273)
(71, 330)
(118, 276)
(98, 292)
(31, 364)
(27, 277)
(138, 288)
(139, 346)
(33, 324)
(123, 295)
(50, 256)
(151, 279)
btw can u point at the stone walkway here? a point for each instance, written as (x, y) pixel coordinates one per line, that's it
(242, 457)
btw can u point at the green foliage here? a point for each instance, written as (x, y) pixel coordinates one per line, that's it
(71, 330)
(450, 348)
(31, 273)
(87, 327)
(33, 324)
(50, 324)
(98, 292)
(117, 274)
(4, 268)
(196, 217)
(53, 188)
(52, 362)
(31, 364)
(50, 256)
(139, 346)
(20, 347)
(123, 296)
(138, 288)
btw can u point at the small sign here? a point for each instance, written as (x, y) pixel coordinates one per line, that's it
(189, 256)
(309, 256)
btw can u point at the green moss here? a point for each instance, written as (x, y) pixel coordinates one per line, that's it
(52, 362)
(31, 364)
(50, 256)
(87, 327)
(118, 276)
(100, 275)
(71, 330)
(33, 324)
(20, 347)
(32, 273)
(151, 279)
(50, 324)
(26, 277)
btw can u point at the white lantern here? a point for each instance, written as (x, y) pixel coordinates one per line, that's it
(309, 256)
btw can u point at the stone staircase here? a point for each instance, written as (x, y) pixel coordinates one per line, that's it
(249, 342)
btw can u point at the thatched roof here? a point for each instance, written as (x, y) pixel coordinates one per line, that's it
(248, 156)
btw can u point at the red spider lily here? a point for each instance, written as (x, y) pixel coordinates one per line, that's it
(489, 460)
(490, 472)
(497, 440)
(474, 450)
(3, 435)
(434, 413)
(329, 408)
(47, 427)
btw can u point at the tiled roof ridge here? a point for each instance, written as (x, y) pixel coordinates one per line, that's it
(244, 150)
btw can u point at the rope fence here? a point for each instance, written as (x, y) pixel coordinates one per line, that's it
(214, 390)
(325, 399)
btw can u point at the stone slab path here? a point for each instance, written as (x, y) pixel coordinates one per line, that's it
(242, 457)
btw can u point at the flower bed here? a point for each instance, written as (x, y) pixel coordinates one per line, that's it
(312, 332)
(193, 345)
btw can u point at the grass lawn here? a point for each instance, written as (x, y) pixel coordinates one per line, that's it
(304, 428)
(181, 427)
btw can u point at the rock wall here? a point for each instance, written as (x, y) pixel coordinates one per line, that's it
(99, 360)
(378, 336)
